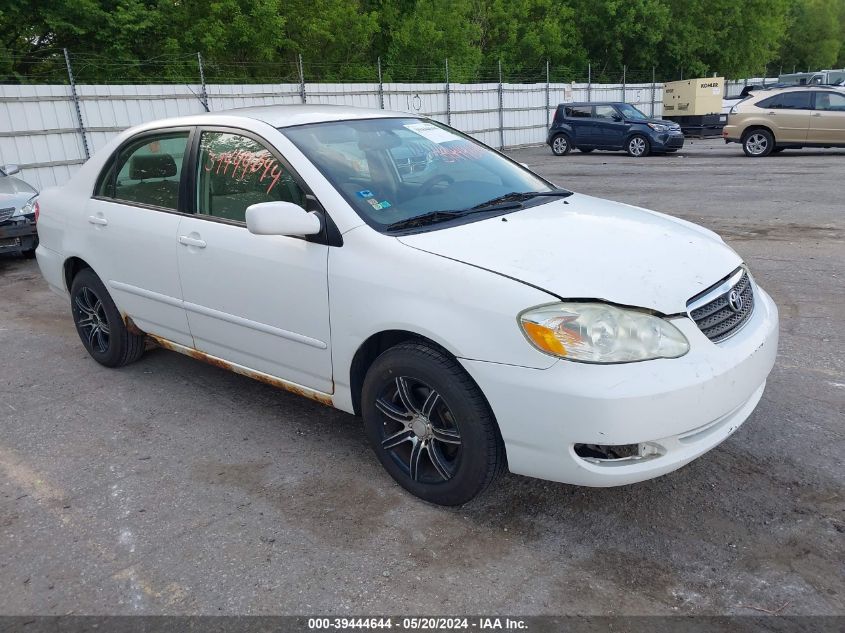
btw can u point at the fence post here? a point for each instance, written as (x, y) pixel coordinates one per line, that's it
(653, 89)
(448, 96)
(301, 80)
(76, 105)
(203, 92)
(624, 77)
(380, 85)
(501, 110)
(548, 96)
(589, 81)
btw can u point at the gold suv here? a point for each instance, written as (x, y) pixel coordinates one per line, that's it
(774, 120)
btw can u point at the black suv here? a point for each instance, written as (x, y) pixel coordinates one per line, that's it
(611, 126)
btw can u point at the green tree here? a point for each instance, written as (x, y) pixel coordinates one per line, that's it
(816, 35)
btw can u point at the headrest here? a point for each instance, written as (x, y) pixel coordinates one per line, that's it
(146, 166)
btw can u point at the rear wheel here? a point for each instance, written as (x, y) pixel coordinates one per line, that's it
(561, 145)
(429, 425)
(758, 143)
(99, 324)
(638, 146)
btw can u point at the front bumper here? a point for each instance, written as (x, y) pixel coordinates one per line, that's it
(18, 237)
(677, 409)
(664, 141)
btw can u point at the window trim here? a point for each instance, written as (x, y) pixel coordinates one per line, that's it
(111, 166)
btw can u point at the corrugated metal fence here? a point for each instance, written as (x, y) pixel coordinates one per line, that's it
(41, 132)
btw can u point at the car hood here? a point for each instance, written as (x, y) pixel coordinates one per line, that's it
(671, 124)
(14, 192)
(588, 248)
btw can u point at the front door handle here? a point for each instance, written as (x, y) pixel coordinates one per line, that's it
(191, 241)
(771, 113)
(98, 220)
(817, 114)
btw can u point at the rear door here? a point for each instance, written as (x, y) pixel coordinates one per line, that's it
(789, 113)
(580, 118)
(259, 301)
(132, 221)
(827, 123)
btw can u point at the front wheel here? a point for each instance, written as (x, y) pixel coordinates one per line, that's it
(99, 324)
(758, 143)
(429, 425)
(561, 145)
(638, 146)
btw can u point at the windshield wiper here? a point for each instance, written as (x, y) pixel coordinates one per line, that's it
(426, 218)
(521, 196)
(511, 200)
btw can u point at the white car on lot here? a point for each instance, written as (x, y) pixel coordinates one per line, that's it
(473, 314)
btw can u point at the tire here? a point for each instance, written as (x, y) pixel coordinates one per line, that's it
(758, 143)
(638, 146)
(586, 150)
(99, 324)
(561, 145)
(430, 426)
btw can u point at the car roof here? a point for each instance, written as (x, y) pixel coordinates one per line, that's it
(290, 115)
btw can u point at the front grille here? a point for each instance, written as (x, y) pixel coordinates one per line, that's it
(715, 314)
(5, 214)
(675, 141)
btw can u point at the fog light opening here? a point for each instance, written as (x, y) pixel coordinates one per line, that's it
(598, 453)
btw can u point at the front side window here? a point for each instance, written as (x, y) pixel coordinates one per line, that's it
(234, 172)
(630, 112)
(787, 101)
(148, 171)
(579, 112)
(606, 112)
(830, 101)
(391, 170)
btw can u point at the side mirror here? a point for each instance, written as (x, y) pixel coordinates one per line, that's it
(617, 118)
(281, 218)
(11, 169)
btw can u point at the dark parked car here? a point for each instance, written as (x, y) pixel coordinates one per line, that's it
(611, 126)
(18, 208)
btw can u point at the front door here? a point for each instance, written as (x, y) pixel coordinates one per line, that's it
(827, 123)
(610, 127)
(259, 301)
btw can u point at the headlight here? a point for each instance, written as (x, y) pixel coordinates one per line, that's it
(28, 208)
(601, 333)
(657, 127)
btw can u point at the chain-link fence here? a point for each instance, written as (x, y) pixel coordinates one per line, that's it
(61, 107)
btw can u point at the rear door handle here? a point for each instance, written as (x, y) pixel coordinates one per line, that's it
(191, 241)
(817, 114)
(772, 113)
(98, 220)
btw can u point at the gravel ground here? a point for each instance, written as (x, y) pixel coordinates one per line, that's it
(171, 486)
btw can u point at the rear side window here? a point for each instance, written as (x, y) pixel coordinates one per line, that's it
(787, 101)
(579, 112)
(234, 172)
(148, 171)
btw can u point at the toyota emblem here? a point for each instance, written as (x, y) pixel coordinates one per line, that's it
(735, 301)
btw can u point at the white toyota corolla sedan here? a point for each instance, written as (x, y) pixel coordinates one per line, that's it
(476, 316)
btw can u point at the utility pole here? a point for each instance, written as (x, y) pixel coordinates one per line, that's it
(380, 85)
(203, 92)
(301, 80)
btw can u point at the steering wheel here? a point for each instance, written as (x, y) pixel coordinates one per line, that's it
(428, 186)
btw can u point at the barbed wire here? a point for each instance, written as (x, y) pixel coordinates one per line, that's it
(48, 66)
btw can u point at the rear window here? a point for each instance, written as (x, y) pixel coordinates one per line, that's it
(787, 101)
(579, 112)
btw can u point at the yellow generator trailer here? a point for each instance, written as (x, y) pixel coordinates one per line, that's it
(696, 105)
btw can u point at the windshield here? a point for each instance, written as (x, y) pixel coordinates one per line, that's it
(393, 170)
(630, 112)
